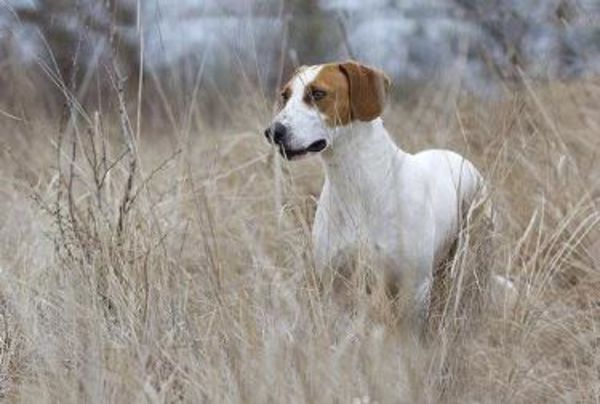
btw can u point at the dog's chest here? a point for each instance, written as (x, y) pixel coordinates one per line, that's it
(345, 229)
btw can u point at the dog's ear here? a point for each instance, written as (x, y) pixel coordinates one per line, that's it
(368, 89)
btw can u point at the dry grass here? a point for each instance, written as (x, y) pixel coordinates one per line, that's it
(178, 268)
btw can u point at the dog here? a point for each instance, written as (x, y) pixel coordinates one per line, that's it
(406, 207)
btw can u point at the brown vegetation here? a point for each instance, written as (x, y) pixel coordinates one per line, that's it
(147, 262)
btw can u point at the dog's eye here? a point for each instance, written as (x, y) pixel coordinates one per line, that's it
(285, 96)
(317, 94)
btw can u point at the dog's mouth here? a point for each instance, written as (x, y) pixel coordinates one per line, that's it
(314, 147)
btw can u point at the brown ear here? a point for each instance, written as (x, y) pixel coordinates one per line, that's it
(368, 89)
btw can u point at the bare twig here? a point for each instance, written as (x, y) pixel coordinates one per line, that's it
(127, 134)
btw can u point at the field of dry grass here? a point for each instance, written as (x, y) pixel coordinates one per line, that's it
(172, 263)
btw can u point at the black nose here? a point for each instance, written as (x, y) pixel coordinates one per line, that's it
(276, 133)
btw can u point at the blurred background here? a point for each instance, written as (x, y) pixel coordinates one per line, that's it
(225, 47)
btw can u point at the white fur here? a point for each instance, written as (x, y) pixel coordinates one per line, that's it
(405, 207)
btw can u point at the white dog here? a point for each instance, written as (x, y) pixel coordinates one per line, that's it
(407, 208)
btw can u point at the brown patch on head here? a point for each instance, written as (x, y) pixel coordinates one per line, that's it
(368, 90)
(334, 98)
(348, 91)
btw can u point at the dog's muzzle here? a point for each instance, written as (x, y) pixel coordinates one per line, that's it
(278, 134)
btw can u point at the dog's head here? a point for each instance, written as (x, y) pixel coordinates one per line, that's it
(319, 100)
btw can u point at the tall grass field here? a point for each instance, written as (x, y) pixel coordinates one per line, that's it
(153, 252)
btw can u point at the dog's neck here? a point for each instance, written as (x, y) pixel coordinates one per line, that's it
(361, 157)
